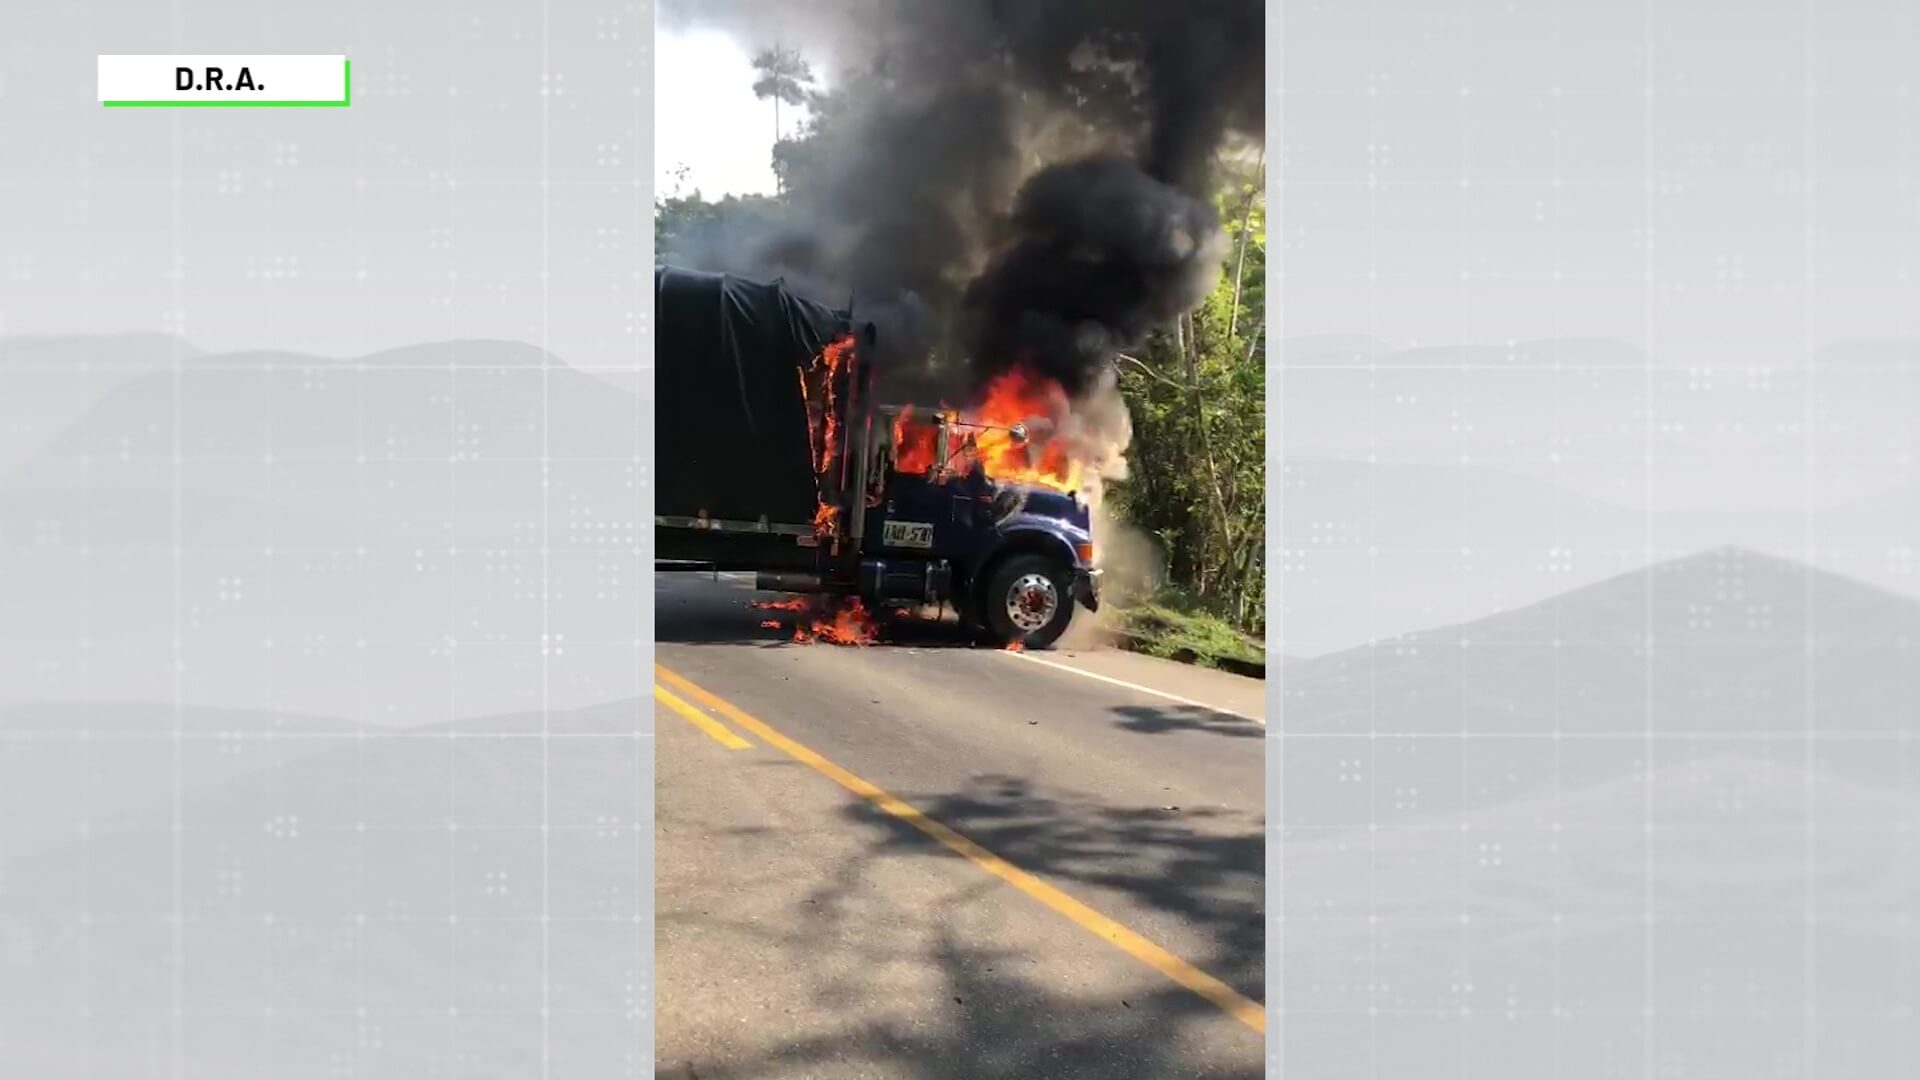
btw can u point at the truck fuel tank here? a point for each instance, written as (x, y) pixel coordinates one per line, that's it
(910, 581)
(915, 581)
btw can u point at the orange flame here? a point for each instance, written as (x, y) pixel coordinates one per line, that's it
(829, 363)
(1015, 397)
(835, 620)
(820, 387)
(914, 443)
(1018, 396)
(847, 624)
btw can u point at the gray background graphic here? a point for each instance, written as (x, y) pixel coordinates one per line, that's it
(325, 742)
(1595, 753)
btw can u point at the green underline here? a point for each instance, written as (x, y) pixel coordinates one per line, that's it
(225, 104)
(341, 104)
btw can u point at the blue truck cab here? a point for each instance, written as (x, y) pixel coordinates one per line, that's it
(1015, 558)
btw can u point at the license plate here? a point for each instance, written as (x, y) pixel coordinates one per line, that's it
(909, 534)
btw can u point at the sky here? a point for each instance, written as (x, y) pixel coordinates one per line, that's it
(706, 117)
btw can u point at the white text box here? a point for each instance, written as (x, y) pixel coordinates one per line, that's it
(230, 79)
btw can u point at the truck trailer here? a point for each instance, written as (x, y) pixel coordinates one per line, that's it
(774, 457)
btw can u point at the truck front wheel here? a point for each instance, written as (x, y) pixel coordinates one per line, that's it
(1028, 599)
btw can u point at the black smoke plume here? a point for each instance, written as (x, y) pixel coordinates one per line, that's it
(1101, 254)
(1013, 181)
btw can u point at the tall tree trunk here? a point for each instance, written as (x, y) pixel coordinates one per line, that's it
(1200, 527)
(779, 182)
(1240, 260)
(1216, 518)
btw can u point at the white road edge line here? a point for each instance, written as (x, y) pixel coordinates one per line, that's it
(1135, 686)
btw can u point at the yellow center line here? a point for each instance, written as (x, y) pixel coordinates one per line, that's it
(720, 732)
(1229, 1000)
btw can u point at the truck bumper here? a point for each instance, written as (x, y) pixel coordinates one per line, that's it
(1086, 588)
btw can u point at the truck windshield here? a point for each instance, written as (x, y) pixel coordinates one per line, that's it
(916, 443)
(928, 445)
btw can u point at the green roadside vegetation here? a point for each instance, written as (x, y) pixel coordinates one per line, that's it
(1174, 625)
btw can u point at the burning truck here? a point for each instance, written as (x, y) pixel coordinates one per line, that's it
(776, 457)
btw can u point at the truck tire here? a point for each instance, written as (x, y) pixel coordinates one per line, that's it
(1027, 599)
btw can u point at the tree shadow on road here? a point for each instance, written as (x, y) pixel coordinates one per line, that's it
(1162, 719)
(995, 1025)
(1197, 864)
(1201, 870)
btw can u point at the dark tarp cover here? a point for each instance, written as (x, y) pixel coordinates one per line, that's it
(732, 423)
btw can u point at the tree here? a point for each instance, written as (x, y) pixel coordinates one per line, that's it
(682, 177)
(1197, 394)
(784, 76)
(690, 227)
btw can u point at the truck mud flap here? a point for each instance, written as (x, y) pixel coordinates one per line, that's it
(1086, 589)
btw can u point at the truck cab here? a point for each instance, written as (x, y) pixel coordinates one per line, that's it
(1016, 557)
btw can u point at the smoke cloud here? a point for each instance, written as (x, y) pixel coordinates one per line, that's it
(1004, 182)
(1101, 253)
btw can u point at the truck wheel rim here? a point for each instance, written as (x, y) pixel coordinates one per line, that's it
(1031, 602)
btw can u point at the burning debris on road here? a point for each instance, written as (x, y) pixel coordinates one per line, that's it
(837, 620)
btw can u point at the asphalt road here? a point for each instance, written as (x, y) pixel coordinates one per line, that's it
(921, 859)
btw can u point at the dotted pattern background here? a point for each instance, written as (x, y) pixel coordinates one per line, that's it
(325, 606)
(1592, 448)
